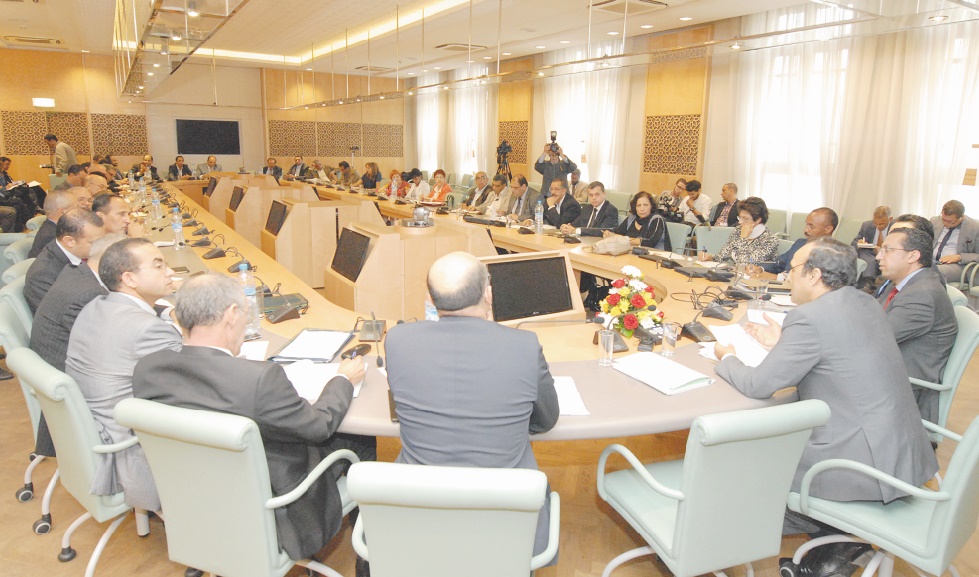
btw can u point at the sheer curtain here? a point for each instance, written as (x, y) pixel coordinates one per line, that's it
(471, 131)
(430, 114)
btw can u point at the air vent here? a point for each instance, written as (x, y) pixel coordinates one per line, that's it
(459, 47)
(17, 1)
(375, 69)
(636, 7)
(32, 42)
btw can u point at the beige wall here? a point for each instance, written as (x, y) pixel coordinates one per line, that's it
(516, 103)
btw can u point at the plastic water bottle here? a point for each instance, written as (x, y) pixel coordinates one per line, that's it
(132, 180)
(177, 224)
(254, 322)
(431, 313)
(539, 216)
(157, 207)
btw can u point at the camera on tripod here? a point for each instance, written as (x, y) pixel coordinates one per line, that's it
(553, 144)
(504, 148)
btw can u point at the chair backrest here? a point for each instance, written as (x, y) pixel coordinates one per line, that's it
(966, 341)
(784, 245)
(72, 429)
(776, 220)
(36, 222)
(848, 230)
(738, 468)
(713, 239)
(17, 270)
(954, 521)
(17, 250)
(678, 234)
(957, 297)
(861, 266)
(443, 521)
(213, 480)
(6, 239)
(797, 226)
(13, 336)
(13, 294)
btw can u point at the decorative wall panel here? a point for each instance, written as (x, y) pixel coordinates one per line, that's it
(515, 133)
(120, 134)
(23, 133)
(336, 138)
(383, 140)
(671, 144)
(70, 128)
(291, 138)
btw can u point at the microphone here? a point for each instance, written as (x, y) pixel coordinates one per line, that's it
(593, 320)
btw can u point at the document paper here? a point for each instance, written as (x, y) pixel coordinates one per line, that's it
(309, 378)
(313, 344)
(746, 348)
(664, 375)
(568, 398)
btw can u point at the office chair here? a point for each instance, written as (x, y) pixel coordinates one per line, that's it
(17, 250)
(926, 529)
(79, 448)
(679, 233)
(16, 270)
(776, 222)
(957, 297)
(737, 471)
(223, 521)
(6, 239)
(35, 223)
(448, 521)
(13, 294)
(712, 240)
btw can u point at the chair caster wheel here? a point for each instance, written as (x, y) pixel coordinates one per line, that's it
(43, 525)
(191, 572)
(32, 456)
(25, 493)
(786, 568)
(67, 554)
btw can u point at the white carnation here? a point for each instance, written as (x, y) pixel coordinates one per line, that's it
(631, 271)
(637, 285)
(647, 323)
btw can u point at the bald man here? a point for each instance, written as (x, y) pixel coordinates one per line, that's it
(491, 408)
(83, 195)
(56, 204)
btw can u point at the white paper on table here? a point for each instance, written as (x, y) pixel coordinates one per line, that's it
(782, 300)
(568, 398)
(33, 183)
(315, 344)
(309, 378)
(254, 350)
(746, 348)
(161, 243)
(665, 375)
(758, 316)
(708, 263)
(707, 351)
(866, 245)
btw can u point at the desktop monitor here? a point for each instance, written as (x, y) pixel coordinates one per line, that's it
(211, 183)
(237, 195)
(351, 254)
(277, 216)
(530, 287)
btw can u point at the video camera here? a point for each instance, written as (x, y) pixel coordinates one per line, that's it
(504, 148)
(553, 145)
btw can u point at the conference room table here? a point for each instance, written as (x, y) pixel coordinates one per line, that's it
(618, 405)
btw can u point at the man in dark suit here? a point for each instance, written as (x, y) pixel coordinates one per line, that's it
(830, 347)
(726, 213)
(145, 169)
(206, 374)
(819, 223)
(956, 240)
(479, 193)
(56, 204)
(271, 169)
(297, 170)
(76, 231)
(919, 311)
(872, 232)
(179, 171)
(521, 201)
(482, 416)
(596, 217)
(560, 208)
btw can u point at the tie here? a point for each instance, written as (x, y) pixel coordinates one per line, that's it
(890, 296)
(516, 207)
(591, 218)
(880, 238)
(941, 247)
(882, 288)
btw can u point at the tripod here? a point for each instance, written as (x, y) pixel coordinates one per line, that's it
(503, 166)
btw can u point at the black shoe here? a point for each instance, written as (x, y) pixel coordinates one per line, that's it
(833, 560)
(5, 375)
(363, 568)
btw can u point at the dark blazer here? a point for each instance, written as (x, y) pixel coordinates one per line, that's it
(832, 349)
(45, 234)
(867, 232)
(477, 196)
(295, 433)
(302, 170)
(650, 233)
(923, 321)
(732, 215)
(42, 274)
(606, 219)
(782, 261)
(153, 174)
(276, 172)
(173, 173)
(570, 211)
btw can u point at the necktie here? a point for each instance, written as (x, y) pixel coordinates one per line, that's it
(591, 218)
(516, 207)
(880, 238)
(882, 288)
(890, 296)
(941, 247)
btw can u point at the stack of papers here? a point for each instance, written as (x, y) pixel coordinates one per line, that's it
(310, 378)
(664, 375)
(758, 316)
(568, 398)
(746, 348)
(313, 344)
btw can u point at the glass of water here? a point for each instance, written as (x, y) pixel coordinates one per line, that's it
(671, 334)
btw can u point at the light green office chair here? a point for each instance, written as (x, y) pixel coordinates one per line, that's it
(861, 266)
(966, 279)
(797, 226)
(35, 223)
(712, 240)
(679, 232)
(6, 239)
(957, 297)
(926, 529)
(784, 245)
(221, 520)
(79, 447)
(13, 294)
(736, 473)
(16, 271)
(848, 230)
(776, 221)
(17, 250)
(449, 521)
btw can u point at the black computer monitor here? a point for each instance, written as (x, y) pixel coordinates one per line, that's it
(351, 254)
(237, 195)
(529, 288)
(211, 183)
(277, 216)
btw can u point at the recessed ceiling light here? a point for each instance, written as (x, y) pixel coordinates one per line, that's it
(938, 18)
(445, 88)
(507, 53)
(646, 26)
(686, 18)
(192, 9)
(410, 93)
(84, 51)
(382, 98)
(306, 108)
(613, 33)
(540, 74)
(341, 102)
(487, 57)
(565, 42)
(469, 61)
(736, 46)
(309, 70)
(149, 74)
(140, 87)
(358, 100)
(437, 67)
(425, 70)
(540, 47)
(156, 66)
(176, 36)
(163, 52)
(411, 74)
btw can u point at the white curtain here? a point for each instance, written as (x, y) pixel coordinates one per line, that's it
(849, 123)
(471, 131)
(429, 126)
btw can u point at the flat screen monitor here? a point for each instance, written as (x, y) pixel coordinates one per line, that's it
(529, 288)
(351, 254)
(208, 137)
(277, 216)
(237, 195)
(211, 183)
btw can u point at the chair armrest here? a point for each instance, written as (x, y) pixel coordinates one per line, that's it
(553, 535)
(116, 447)
(941, 431)
(969, 267)
(357, 539)
(930, 385)
(866, 470)
(639, 468)
(782, 235)
(299, 491)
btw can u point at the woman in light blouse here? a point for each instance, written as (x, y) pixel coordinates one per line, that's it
(751, 242)
(644, 226)
(441, 189)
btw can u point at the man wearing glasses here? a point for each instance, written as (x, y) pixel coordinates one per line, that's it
(956, 239)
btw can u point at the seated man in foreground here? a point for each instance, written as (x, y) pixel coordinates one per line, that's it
(831, 347)
(206, 374)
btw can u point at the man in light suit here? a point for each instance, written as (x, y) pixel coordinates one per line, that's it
(297, 170)
(210, 166)
(497, 195)
(77, 229)
(596, 217)
(872, 232)
(522, 200)
(919, 311)
(110, 334)
(830, 348)
(56, 204)
(559, 208)
(956, 240)
(64, 154)
(205, 374)
(482, 416)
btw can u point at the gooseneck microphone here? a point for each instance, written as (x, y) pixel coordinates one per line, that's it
(593, 320)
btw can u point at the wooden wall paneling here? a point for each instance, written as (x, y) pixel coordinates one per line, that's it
(516, 110)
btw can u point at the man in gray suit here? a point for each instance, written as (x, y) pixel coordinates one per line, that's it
(110, 334)
(56, 204)
(77, 229)
(872, 232)
(830, 348)
(519, 204)
(919, 311)
(597, 215)
(297, 434)
(956, 240)
(210, 166)
(481, 414)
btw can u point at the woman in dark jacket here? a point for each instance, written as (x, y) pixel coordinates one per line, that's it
(644, 226)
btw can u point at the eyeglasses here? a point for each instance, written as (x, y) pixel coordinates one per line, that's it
(791, 268)
(890, 249)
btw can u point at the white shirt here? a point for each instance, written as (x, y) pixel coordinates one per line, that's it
(71, 258)
(952, 246)
(702, 204)
(421, 190)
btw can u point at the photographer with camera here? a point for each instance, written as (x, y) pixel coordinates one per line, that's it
(553, 164)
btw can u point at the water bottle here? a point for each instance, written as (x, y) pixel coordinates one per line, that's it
(431, 313)
(252, 312)
(132, 180)
(539, 216)
(177, 224)
(157, 207)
